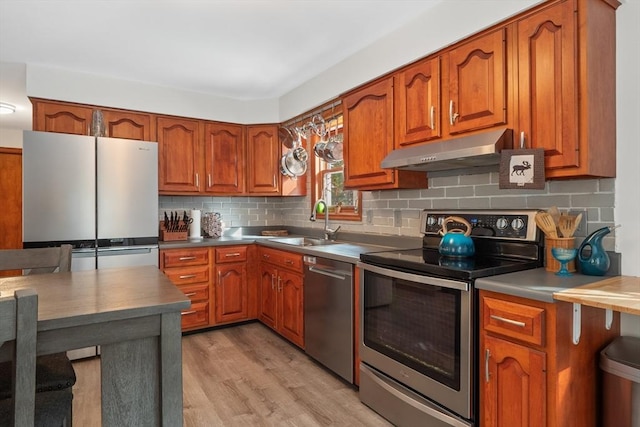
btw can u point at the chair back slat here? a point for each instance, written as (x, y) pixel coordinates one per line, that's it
(23, 307)
(37, 261)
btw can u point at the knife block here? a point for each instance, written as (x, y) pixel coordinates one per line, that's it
(169, 236)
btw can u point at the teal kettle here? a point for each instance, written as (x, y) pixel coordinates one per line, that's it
(598, 262)
(456, 242)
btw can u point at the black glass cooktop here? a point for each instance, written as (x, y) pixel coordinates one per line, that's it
(429, 261)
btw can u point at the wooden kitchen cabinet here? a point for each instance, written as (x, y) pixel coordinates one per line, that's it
(224, 158)
(477, 84)
(64, 117)
(189, 270)
(281, 293)
(61, 117)
(368, 138)
(231, 288)
(263, 160)
(417, 103)
(530, 373)
(129, 125)
(179, 155)
(566, 87)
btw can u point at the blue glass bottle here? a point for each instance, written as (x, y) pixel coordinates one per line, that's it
(598, 262)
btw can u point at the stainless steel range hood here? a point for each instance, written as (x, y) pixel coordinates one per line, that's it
(476, 153)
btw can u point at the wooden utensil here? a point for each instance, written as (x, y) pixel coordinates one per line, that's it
(546, 224)
(555, 214)
(568, 224)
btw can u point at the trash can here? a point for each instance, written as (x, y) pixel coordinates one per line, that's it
(620, 363)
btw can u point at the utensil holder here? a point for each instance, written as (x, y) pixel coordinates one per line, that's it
(550, 263)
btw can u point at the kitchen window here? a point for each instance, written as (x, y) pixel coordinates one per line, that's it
(327, 178)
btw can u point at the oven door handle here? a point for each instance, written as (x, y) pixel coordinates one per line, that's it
(418, 278)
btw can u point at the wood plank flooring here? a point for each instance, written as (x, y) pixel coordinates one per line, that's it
(245, 376)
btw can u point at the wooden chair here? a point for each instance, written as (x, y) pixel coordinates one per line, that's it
(19, 320)
(53, 371)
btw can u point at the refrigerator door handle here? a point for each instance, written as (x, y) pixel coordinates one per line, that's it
(126, 250)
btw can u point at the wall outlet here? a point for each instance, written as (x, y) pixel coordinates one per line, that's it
(581, 231)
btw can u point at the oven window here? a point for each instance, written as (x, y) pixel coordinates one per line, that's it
(415, 324)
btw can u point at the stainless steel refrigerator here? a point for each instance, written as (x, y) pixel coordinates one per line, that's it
(98, 194)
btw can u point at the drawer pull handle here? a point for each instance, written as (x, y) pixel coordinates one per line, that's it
(191, 294)
(184, 313)
(273, 282)
(265, 256)
(188, 276)
(288, 261)
(279, 284)
(509, 321)
(187, 258)
(487, 355)
(433, 117)
(233, 254)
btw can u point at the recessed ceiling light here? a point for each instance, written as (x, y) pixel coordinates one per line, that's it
(7, 108)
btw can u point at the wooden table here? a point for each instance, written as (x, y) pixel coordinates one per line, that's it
(617, 293)
(134, 315)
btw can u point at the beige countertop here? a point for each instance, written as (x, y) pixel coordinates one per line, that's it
(618, 293)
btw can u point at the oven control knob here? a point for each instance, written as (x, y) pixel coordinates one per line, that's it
(517, 224)
(440, 220)
(502, 223)
(431, 220)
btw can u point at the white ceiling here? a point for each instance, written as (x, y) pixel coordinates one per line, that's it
(241, 49)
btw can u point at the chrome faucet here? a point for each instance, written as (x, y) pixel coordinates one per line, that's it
(329, 234)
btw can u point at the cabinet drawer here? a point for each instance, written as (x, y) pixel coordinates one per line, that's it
(188, 275)
(231, 254)
(197, 292)
(195, 316)
(283, 259)
(185, 257)
(519, 321)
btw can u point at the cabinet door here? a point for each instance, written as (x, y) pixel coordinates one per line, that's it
(368, 124)
(263, 159)
(231, 292)
(224, 158)
(124, 124)
(477, 84)
(268, 293)
(178, 155)
(512, 385)
(290, 307)
(547, 85)
(61, 118)
(417, 103)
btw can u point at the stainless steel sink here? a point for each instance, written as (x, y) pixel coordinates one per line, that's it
(303, 241)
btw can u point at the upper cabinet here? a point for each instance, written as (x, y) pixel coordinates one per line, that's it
(62, 117)
(417, 103)
(128, 125)
(368, 138)
(566, 87)
(477, 83)
(179, 155)
(263, 160)
(224, 158)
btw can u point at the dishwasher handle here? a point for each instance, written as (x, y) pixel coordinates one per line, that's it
(337, 274)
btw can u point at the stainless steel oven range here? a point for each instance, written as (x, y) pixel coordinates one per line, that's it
(419, 317)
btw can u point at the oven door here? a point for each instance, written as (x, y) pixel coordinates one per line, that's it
(416, 330)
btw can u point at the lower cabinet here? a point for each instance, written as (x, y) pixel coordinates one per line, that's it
(281, 304)
(531, 373)
(231, 284)
(189, 270)
(217, 282)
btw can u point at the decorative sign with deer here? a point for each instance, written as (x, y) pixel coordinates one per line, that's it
(522, 168)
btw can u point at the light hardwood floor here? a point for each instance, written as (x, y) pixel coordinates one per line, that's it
(244, 376)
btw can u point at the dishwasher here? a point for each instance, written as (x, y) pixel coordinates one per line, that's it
(328, 314)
